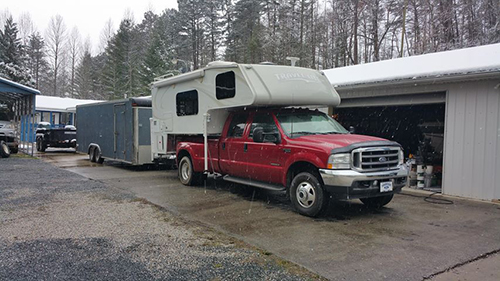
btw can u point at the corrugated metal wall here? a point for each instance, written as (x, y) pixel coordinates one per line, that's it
(472, 140)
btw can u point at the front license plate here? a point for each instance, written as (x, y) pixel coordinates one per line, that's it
(386, 186)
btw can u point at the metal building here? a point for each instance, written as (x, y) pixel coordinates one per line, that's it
(464, 83)
(22, 100)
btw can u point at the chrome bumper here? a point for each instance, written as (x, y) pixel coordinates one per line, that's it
(348, 177)
(350, 184)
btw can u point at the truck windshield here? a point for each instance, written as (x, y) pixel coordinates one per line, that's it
(296, 124)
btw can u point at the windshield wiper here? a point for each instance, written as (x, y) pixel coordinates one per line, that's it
(330, 133)
(303, 133)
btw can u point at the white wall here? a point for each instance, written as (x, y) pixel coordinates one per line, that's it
(472, 140)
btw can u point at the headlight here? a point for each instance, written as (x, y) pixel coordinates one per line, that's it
(9, 126)
(401, 157)
(339, 161)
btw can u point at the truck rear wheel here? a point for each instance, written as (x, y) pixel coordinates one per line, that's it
(187, 175)
(377, 202)
(307, 195)
(4, 150)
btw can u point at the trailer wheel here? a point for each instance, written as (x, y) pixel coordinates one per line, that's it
(4, 150)
(307, 195)
(377, 202)
(92, 154)
(187, 175)
(98, 156)
(40, 146)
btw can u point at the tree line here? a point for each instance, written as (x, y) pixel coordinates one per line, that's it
(323, 34)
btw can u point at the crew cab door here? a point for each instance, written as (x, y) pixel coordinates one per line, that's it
(265, 159)
(232, 147)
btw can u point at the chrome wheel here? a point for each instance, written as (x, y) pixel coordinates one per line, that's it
(185, 171)
(306, 194)
(5, 149)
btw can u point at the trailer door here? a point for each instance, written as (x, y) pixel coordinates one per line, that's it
(120, 148)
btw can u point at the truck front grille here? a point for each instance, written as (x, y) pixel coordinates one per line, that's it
(375, 158)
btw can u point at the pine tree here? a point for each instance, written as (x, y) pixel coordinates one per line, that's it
(36, 55)
(158, 58)
(122, 66)
(10, 44)
(12, 58)
(247, 32)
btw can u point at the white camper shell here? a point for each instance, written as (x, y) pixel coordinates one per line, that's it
(197, 102)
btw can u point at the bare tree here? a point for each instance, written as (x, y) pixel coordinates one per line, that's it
(56, 39)
(26, 27)
(74, 48)
(107, 33)
(4, 15)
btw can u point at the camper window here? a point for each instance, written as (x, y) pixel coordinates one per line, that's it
(237, 126)
(187, 103)
(225, 85)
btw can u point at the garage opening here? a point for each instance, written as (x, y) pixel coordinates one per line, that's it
(418, 128)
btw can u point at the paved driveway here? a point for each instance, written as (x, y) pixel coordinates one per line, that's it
(410, 239)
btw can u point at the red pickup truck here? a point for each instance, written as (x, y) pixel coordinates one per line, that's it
(302, 151)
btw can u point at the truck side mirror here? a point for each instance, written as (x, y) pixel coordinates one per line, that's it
(258, 134)
(352, 130)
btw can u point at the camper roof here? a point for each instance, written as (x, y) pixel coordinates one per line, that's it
(262, 85)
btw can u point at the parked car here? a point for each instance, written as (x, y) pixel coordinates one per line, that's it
(8, 140)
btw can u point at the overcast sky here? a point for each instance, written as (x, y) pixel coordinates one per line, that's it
(89, 16)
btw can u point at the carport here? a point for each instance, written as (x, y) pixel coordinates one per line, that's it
(452, 98)
(21, 100)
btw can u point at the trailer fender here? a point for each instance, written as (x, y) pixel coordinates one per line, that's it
(91, 145)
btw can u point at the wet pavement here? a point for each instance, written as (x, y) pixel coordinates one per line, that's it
(410, 239)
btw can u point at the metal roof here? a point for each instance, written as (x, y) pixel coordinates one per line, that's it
(10, 90)
(475, 62)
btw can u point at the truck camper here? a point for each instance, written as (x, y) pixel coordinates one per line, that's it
(252, 124)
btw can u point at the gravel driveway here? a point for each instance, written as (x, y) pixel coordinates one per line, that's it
(56, 225)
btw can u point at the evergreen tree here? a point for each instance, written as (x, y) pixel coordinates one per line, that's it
(246, 34)
(122, 76)
(10, 44)
(11, 55)
(158, 58)
(36, 55)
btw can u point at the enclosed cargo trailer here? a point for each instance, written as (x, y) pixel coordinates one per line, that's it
(115, 130)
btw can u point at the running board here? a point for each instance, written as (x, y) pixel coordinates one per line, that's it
(268, 186)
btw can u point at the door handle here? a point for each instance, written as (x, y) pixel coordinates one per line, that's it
(245, 147)
(287, 150)
(223, 145)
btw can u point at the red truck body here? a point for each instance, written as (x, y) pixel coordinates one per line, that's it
(276, 162)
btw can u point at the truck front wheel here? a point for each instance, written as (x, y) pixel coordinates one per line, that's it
(187, 175)
(307, 195)
(377, 202)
